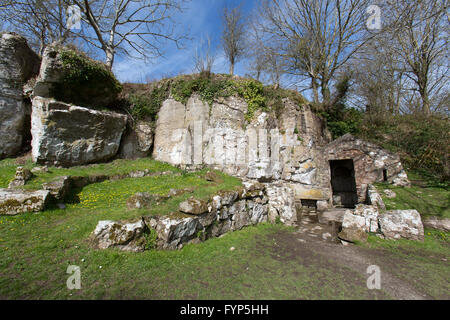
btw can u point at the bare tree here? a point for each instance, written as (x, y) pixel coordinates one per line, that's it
(131, 27)
(43, 22)
(204, 56)
(317, 38)
(233, 36)
(420, 33)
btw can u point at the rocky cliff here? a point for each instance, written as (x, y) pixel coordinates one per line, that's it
(18, 63)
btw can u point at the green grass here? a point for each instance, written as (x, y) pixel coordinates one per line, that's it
(428, 199)
(35, 257)
(424, 264)
(119, 166)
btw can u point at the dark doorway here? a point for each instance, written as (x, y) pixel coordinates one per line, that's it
(343, 183)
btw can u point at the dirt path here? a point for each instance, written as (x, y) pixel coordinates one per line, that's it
(319, 239)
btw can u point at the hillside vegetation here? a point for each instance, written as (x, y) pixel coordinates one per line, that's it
(144, 100)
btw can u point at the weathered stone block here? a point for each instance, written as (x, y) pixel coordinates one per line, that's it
(68, 135)
(14, 201)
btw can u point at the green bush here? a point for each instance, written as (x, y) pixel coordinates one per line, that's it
(146, 100)
(423, 143)
(150, 237)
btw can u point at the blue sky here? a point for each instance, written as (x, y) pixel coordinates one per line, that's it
(200, 19)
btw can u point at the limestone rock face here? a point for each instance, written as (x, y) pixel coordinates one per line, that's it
(70, 77)
(14, 201)
(222, 138)
(401, 224)
(137, 141)
(18, 64)
(125, 236)
(68, 135)
(281, 203)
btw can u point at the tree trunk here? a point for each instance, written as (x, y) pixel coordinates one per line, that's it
(315, 90)
(109, 58)
(232, 68)
(425, 103)
(326, 96)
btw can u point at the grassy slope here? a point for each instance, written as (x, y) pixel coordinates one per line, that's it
(428, 198)
(425, 262)
(35, 250)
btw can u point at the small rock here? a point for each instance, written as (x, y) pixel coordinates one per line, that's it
(39, 169)
(326, 235)
(389, 193)
(193, 206)
(61, 205)
(212, 176)
(21, 177)
(59, 188)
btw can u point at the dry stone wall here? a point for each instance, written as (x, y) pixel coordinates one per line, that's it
(196, 221)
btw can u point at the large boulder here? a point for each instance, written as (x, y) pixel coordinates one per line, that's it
(401, 224)
(68, 135)
(13, 201)
(70, 76)
(18, 64)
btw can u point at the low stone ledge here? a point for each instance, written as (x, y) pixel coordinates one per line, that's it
(225, 211)
(437, 224)
(13, 201)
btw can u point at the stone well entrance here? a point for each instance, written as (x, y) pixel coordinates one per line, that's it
(343, 183)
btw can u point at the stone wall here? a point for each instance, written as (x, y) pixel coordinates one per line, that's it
(196, 221)
(371, 163)
(18, 63)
